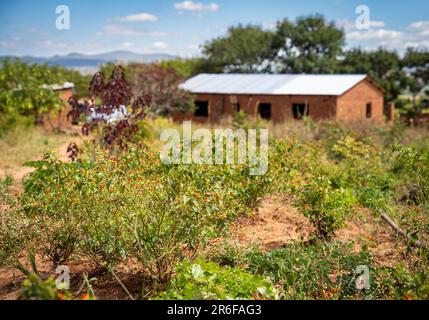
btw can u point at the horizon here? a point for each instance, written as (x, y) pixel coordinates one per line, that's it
(84, 54)
(180, 28)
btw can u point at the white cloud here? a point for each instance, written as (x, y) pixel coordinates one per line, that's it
(422, 27)
(416, 35)
(349, 25)
(139, 17)
(378, 34)
(60, 47)
(418, 44)
(194, 46)
(160, 45)
(196, 6)
(115, 30)
(39, 32)
(419, 25)
(9, 43)
(50, 44)
(128, 44)
(377, 24)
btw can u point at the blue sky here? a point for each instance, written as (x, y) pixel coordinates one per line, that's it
(27, 27)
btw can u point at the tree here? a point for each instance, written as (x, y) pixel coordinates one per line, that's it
(382, 65)
(24, 88)
(243, 49)
(310, 45)
(416, 64)
(162, 85)
(109, 110)
(188, 68)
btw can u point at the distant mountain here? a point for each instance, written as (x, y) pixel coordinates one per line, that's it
(84, 61)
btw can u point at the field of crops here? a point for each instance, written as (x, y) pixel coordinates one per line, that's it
(131, 227)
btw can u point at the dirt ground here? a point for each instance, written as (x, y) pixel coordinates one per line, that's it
(105, 286)
(277, 223)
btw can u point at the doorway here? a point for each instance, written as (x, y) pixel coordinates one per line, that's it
(300, 110)
(264, 111)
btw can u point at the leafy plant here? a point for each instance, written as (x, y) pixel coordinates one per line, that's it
(36, 289)
(325, 205)
(413, 166)
(362, 168)
(320, 271)
(115, 121)
(202, 280)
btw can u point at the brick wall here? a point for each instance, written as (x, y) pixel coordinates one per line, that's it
(349, 107)
(352, 104)
(320, 107)
(58, 120)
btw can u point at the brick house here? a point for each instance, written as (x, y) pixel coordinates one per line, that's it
(58, 120)
(344, 98)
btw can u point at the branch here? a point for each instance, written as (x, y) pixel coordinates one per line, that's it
(122, 285)
(401, 232)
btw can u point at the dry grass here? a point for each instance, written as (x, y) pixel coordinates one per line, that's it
(24, 144)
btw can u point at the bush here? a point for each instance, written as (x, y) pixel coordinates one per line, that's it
(362, 168)
(412, 168)
(202, 280)
(134, 206)
(17, 232)
(401, 283)
(326, 206)
(322, 271)
(36, 289)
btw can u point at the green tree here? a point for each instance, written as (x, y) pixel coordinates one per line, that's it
(243, 49)
(23, 87)
(382, 65)
(309, 45)
(188, 68)
(416, 64)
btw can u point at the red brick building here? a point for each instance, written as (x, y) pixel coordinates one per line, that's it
(280, 98)
(58, 120)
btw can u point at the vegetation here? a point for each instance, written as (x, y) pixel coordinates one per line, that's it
(23, 87)
(161, 83)
(111, 210)
(202, 280)
(115, 208)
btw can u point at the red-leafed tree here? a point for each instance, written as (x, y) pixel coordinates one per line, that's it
(112, 108)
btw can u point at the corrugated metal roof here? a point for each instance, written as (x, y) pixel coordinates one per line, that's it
(329, 85)
(56, 87)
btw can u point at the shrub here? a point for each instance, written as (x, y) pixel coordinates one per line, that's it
(230, 253)
(36, 289)
(17, 232)
(362, 168)
(202, 280)
(134, 206)
(13, 120)
(320, 271)
(49, 202)
(326, 206)
(402, 283)
(412, 167)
